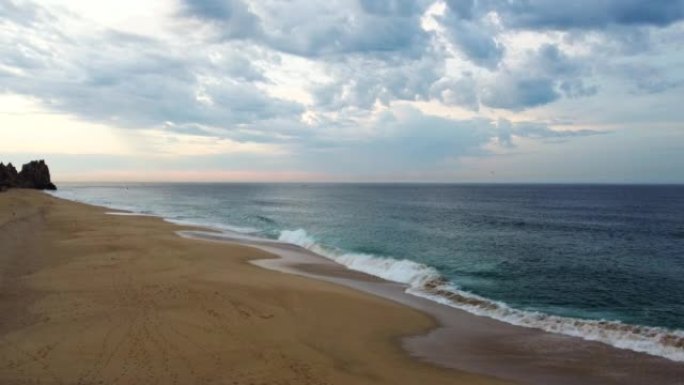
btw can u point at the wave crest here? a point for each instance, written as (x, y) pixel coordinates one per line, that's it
(425, 281)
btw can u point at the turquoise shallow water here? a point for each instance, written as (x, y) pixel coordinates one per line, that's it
(613, 253)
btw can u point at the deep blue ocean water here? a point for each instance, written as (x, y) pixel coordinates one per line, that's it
(583, 251)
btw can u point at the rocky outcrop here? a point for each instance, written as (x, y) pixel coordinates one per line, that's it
(35, 175)
(9, 177)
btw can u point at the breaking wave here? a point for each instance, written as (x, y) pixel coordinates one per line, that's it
(425, 281)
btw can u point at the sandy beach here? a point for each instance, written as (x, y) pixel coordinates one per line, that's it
(90, 298)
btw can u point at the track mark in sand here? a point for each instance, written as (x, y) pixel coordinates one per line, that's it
(105, 354)
(149, 353)
(247, 311)
(37, 359)
(110, 345)
(169, 350)
(243, 310)
(293, 372)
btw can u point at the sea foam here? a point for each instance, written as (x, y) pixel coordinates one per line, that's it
(425, 281)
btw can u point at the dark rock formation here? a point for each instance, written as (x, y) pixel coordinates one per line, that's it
(34, 174)
(9, 177)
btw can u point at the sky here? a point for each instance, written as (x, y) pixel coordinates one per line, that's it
(540, 91)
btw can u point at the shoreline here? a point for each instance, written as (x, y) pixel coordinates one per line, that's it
(468, 342)
(113, 299)
(541, 365)
(460, 340)
(538, 358)
(427, 282)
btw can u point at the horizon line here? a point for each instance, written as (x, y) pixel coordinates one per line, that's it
(588, 183)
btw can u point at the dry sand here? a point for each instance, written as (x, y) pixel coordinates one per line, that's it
(89, 298)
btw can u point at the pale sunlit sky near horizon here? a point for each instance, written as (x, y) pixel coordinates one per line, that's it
(348, 90)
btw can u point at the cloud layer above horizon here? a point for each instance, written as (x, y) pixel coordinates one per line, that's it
(368, 90)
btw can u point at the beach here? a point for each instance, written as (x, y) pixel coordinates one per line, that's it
(90, 298)
(94, 296)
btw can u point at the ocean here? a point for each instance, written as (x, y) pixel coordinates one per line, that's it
(600, 262)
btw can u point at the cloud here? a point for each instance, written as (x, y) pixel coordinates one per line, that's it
(233, 18)
(132, 81)
(517, 93)
(314, 29)
(376, 51)
(349, 83)
(462, 91)
(566, 15)
(410, 138)
(476, 39)
(373, 52)
(594, 14)
(544, 76)
(505, 131)
(364, 82)
(23, 13)
(475, 27)
(405, 139)
(648, 79)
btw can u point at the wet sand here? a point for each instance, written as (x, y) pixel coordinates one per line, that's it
(90, 298)
(478, 344)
